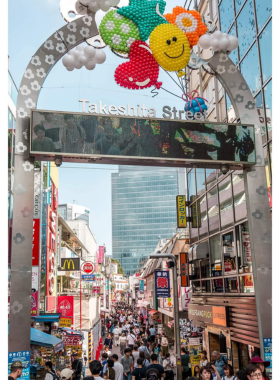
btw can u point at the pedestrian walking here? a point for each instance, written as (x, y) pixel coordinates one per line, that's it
(127, 363)
(116, 333)
(104, 359)
(122, 340)
(204, 359)
(262, 364)
(155, 365)
(168, 367)
(118, 367)
(67, 374)
(110, 372)
(146, 362)
(208, 371)
(131, 338)
(220, 361)
(139, 372)
(95, 368)
(164, 345)
(135, 354)
(185, 360)
(228, 370)
(153, 333)
(108, 341)
(16, 370)
(196, 371)
(77, 367)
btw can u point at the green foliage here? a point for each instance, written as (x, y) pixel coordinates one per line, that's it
(120, 269)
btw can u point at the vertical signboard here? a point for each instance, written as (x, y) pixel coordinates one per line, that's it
(65, 306)
(267, 345)
(24, 358)
(101, 254)
(246, 246)
(35, 291)
(186, 296)
(162, 284)
(184, 269)
(195, 211)
(181, 211)
(141, 286)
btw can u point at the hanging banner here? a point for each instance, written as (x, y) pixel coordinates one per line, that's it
(184, 269)
(162, 284)
(35, 291)
(186, 296)
(101, 254)
(181, 211)
(65, 306)
(36, 242)
(267, 345)
(141, 285)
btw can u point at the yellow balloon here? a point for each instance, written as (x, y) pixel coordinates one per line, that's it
(170, 47)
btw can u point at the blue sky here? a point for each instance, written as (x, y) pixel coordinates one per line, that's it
(30, 23)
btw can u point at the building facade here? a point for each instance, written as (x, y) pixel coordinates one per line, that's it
(74, 211)
(143, 210)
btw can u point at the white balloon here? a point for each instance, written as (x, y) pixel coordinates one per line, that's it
(68, 60)
(82, 59)
(100, 56)
(105, 6)
(205, 41)
(114, 2)
(233, 42)
(224, 43)
(78, 65)
(89, 52)
(85, 2)
(215, 45)
(70, 68)
(75, 53)
(90, 65)
(80, 48)
(94, 6)
(217, 35)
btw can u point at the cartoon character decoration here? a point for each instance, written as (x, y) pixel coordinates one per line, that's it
(194, 103)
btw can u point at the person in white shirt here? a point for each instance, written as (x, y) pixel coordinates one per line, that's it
(116, 333)
(122, 319)
(168, 366)
(118, 367)
(204, 359)
(131, 338)
(122, 343)
(50, 371)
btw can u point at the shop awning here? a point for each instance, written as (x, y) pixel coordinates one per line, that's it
(152, 311)
(199, 251)
(42, 339)
(72, 332)
(54, 317)
(170, 323)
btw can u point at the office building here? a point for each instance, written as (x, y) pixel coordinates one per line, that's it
(143, 210)
(74, 212)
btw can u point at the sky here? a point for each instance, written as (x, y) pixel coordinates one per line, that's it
(30, 23)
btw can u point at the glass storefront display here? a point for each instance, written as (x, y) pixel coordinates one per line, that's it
(216, 256)
(229, 254)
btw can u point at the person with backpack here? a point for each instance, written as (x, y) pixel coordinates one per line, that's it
(146, 362)
(127, 363)
(110, 372)
(77, 367)
(228, 370)
(131, 338)
(139, 372)
(108, 341)
(95, 367)
(220, 361)
(151, 373)
(51, 375)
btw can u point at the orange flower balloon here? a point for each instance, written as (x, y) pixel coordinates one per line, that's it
(190, 22)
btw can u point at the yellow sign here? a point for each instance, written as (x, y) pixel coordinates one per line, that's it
(181, 211)
(70, 264)
(65, 322)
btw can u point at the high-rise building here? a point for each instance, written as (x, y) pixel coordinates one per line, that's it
(143, 210)
(73, 212)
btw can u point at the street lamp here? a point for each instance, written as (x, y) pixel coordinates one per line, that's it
(160, 255)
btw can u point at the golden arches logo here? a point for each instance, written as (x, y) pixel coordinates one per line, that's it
(69, 263)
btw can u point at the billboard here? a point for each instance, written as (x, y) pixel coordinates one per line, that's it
(121, 140)
(162, 284)
(181, 211)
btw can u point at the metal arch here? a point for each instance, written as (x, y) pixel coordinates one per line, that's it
(257, 202)
(49, 53)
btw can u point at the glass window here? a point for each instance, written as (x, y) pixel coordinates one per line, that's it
(251, 70)
(260, 108)
(264, 10)
(268, 107)
(217, 285)
(244, 254)
(246, 27)
(229, 254)
(191, 183)
(203, 230)
(200, 181)
(233, 55)
(246, 284)
(215, 255)
(205, 268)
(238, 4)
(210, 177)
(196, 286)
(213, 210)
(231, 285)
(205, 286)
(195, 270)
(239, 195)
(265, 41)
(10, 120)
(226, 15)
(225, 196)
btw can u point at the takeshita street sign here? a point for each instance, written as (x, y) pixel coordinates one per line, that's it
(131, 140)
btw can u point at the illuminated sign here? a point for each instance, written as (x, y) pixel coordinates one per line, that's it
(70, 264)
(118, 140)
(181, 211)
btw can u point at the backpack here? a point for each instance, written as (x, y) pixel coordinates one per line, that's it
(54, 375)
(152, 374)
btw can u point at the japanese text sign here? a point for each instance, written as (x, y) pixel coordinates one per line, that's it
(24, 358)
(162, 284)
(184, 269)
(141, 285)
(101, 254)
(69, 340)
(65, 306)
(181, 211)
(267, 345)
(65, 322)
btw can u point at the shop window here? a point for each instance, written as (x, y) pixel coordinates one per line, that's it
(264, 10)
(195, 270)
(217, 285)
(250, 69)
(205, 286)
(203, 230)
(244, 254)
(246, 27)
(205, 268)
(231, 285)
(225, 196)
(268, 108)
(213, 210)
(196, 287)
(229, 254)
(191, 184)
(226, 15)
(215, 255)
(200, 181)
(246, 284)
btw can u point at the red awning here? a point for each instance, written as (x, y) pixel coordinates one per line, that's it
(152, 311)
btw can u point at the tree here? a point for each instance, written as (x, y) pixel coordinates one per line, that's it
(120, 269)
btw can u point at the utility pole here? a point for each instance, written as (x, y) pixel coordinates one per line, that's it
(176, 308)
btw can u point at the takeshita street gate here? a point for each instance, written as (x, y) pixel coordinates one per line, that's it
(48, 54)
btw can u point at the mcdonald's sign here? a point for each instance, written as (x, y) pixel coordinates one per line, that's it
(70, 264)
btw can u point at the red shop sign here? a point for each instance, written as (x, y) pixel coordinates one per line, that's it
(36, 242)
(69, 340)
(65, 306)
(87, 267)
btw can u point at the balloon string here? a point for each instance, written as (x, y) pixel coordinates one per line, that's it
(174, 80)
(171, 93)
(154, 91)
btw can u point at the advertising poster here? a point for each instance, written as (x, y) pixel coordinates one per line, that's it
(186, 296)
(267, 344)
(101, 254)
(35, 291)
(36, 242)
(168, 302)
(24, 358)
(162, 284)
(65, 306)
(141, 285)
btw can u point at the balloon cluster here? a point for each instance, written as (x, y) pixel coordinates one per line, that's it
(218, 41)
(95, 5)
(86, 56)
(195, 103)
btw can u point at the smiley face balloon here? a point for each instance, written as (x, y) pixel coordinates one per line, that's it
(170, 47)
